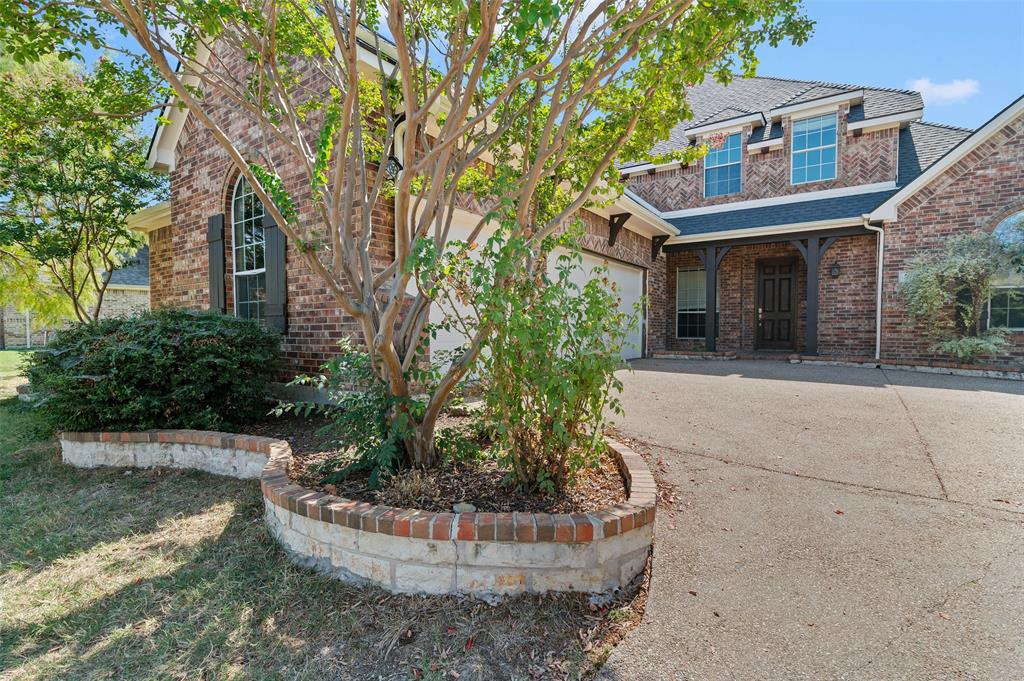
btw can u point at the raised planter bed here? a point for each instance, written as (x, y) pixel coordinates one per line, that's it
(408, 550)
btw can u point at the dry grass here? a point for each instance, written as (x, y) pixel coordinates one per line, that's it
(172, 575)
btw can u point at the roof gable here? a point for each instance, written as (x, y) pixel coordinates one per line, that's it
(888, 210)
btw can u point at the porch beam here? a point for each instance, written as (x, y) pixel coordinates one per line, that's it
(768, 239)
(656, 245)
(615, 224)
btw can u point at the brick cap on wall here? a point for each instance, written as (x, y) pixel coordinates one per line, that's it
(278, 489)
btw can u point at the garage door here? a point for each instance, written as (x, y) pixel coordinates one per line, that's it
(629, 283)
(462, 225)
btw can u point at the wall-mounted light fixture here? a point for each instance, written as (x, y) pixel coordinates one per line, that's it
(834, 270)
(392, 168)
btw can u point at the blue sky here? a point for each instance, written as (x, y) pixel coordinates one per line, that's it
(969, 54)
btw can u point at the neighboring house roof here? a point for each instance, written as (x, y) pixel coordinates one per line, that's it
(136, 273)
(764, 93)
(956, 151)
(817, 210)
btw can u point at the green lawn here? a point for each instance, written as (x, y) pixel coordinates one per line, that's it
(171, 575)
(10, 370)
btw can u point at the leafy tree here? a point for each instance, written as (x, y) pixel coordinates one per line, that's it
(525, 104)
(946, 293)
(69, 180)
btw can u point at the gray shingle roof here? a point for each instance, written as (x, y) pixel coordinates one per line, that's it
(135, 273)
(764, 93)
(774, 133)
(783, 214)
(922, 144)
(725, 114)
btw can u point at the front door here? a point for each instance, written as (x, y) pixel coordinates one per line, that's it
(776, 304)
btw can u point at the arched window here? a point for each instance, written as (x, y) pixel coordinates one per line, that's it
(248, 252)
(1006, 306)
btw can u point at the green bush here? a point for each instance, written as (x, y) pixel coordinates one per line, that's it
(947, 292)
(358, 411)
(549, 366)
(162, 369)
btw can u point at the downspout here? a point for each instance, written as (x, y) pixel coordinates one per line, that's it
(878, 286)
(398, 151)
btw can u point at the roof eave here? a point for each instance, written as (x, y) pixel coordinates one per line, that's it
(788, 109)
(768, 230)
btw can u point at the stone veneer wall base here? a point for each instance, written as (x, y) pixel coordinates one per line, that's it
(485, 555)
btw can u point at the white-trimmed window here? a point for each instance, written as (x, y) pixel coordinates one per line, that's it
(248, 252)
(691, 303)
(722, 168)
(814, 149)
(1006, 308)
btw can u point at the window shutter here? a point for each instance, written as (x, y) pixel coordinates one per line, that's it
(215, 243)
(277, 295)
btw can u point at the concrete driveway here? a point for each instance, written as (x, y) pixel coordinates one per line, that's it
(830, 523)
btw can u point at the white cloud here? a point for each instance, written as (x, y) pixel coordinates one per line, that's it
(945, 93)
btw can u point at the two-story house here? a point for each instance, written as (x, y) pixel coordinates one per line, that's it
(793, 230)
(789, 236)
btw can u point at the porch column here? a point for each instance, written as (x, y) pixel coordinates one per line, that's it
(711, 296)
(813, 258)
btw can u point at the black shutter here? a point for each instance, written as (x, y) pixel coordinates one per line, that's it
(215, 241)
(274, 254)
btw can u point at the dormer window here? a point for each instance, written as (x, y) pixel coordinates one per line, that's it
(722, 168)
(814, 149)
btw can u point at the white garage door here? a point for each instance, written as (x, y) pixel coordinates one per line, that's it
(629, 283)
(462, 225)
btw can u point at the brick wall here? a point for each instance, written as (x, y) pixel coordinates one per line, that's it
(846, 303)
(975, 193)
(161, 266)
(202, 184)
(869, 158)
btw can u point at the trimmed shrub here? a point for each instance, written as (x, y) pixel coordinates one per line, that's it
(167, 368)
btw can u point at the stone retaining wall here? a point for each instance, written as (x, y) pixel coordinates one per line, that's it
(237, 456)
(407, 550)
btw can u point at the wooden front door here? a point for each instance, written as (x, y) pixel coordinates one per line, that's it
(776, 304)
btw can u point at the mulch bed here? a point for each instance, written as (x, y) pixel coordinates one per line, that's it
(480, 482)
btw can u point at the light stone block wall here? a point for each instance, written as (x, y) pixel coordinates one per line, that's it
(604, 554)
(484, 569)
(235, 463)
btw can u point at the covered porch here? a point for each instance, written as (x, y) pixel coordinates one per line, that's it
(807, 291)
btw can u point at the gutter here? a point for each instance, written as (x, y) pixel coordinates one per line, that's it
(878, 285)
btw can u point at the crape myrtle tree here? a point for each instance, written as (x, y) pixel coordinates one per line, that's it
(527, 103)
(72, 171)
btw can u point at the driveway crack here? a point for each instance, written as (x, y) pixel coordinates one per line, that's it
(818, 478)
(920, 436)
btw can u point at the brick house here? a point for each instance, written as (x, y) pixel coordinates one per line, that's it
(127, 293)
(776, 241)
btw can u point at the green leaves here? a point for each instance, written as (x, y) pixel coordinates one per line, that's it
(274, 187)
(367, 423)
(946, 293)
(163, 369)
(551, 352)
(69, 180)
